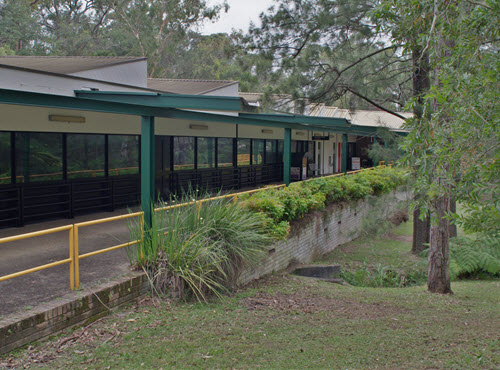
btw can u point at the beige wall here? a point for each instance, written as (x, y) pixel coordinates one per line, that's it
(26, 118)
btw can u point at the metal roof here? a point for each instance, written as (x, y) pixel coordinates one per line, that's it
(368, 118)
(187, 86)
(64, 64)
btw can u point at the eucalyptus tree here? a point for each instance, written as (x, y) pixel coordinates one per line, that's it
(453, 147)
(153, 28)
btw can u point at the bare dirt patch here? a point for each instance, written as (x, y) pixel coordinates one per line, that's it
(310, 304)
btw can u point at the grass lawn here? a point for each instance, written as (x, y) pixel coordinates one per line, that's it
(286, 321)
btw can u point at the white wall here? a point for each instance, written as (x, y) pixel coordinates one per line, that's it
(132, 73)
(231, 90)
(49, 84)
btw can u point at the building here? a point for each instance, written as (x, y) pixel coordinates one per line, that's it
(86, 134)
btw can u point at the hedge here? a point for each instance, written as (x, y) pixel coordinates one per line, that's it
(280, 206)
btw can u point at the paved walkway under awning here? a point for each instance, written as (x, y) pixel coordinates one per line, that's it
(25, 292)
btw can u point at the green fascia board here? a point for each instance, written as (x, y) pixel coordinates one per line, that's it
(159, 100)
(75, 103)
(68, 102)
(300, 119)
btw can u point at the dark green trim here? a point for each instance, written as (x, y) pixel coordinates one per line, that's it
(147, 168)
(287, 154)
(157, 100)
(305, 121)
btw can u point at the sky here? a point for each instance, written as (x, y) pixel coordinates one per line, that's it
(240, 13)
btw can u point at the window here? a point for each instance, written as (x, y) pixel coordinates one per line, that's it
(5, 163)
(257, 151)
(281, 149)
(163, 159)
(39, 156)
(243, 152)
(206, 152)
(123, 154)
(183, 153)
(224, 152)
(85, 155)
(271, 151)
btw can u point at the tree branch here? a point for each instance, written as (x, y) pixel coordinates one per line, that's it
(374, 104)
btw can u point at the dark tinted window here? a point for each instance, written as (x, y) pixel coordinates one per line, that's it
(183, 153)
(123, 154)
(38, 156)
(85, 155)
(206, 152)
(224, 152)
(243, 152)
(258, 151)
(5, 170)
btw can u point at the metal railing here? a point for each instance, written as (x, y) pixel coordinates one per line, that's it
(74, 239)
(74, 229)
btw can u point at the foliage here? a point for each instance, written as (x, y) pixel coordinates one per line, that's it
(474, 257)
(391, 153)
(198, 250)
(285, 205)
(381, 277)
(330, 51)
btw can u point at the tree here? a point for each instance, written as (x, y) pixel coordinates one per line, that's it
(153, 28)
(19, 28)
(330, 51)
(453, 146)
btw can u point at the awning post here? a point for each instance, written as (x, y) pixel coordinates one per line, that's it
(287, 154)
(344, 153)
(147, 168)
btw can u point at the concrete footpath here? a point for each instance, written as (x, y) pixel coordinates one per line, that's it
(25, 292)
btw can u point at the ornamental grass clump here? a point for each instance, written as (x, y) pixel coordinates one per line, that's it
(198, 250)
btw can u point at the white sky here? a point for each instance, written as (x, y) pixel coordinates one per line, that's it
(240, 13)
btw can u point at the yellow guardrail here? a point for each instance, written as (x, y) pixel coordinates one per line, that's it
(74, 229)
(69, 260)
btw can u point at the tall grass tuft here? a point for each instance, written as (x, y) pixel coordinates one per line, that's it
(198, 250)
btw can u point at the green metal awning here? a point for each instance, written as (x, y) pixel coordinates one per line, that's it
(161, 100)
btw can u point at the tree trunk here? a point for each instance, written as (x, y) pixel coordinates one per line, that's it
(438, 280)
(453, 209)
(421, 232)
(421, 86)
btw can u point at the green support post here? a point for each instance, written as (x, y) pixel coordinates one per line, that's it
(287, 154)
(147, 168)
(344, 153)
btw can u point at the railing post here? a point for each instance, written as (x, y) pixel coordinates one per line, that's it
(72, 258)
(76, 260)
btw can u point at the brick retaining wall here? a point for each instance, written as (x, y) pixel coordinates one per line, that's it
(76, 308)
(319, 233)
(311, 237)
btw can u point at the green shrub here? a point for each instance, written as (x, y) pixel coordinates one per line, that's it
(198, 251)
(381, 277)
(294, 201)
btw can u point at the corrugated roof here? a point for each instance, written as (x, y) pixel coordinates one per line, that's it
(64, 64)
(186, 86)
(379, 118)
(361, 117)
